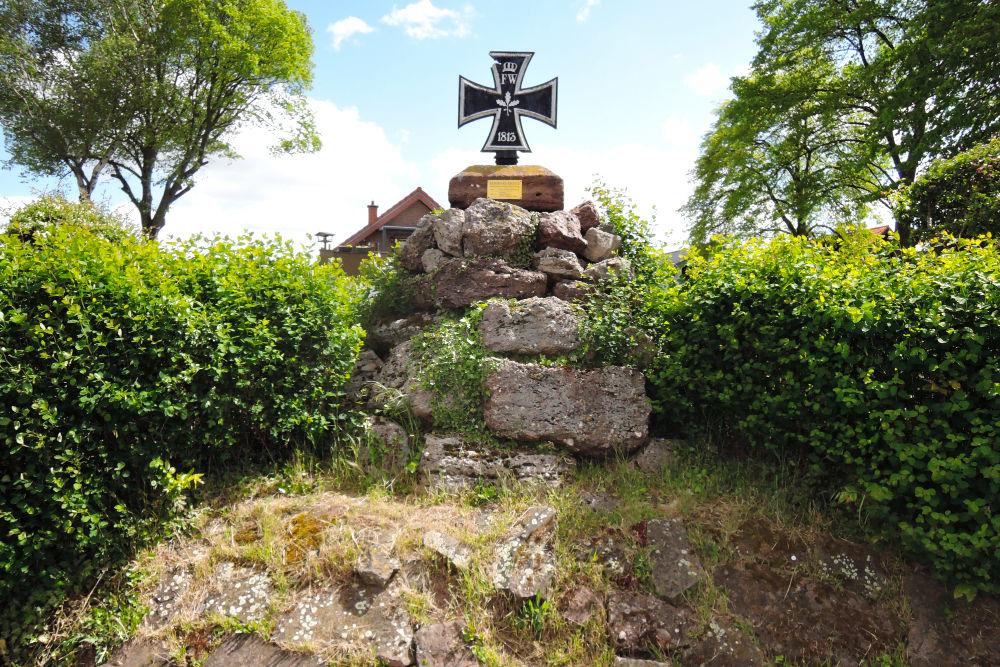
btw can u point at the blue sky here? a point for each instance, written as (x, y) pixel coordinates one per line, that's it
(638, 81)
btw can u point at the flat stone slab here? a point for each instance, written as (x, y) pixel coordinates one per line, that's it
(675, 567)
(641, 622)
(141, 653)
(541, 189)
(252, 651)
(582, 604)
(442, 645)
(451, 464)
(376, 568)
(590, 412)
(240, 593)
(539, 325)
(455, 551)
(525, 564)
(352, 616)
(806, 621)
(462, 282)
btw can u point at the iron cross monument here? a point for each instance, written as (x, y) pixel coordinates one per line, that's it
(507, 102)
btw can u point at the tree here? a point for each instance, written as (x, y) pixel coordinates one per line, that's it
(911, 81)
(960, 196)
(150, 90)
(60, 103)
(768, 166)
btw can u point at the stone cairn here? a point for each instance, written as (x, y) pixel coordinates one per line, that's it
(466, 258)
(463, 257)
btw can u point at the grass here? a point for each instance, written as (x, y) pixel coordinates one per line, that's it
(306, 523)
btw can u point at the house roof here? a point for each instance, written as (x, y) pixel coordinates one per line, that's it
(417, 195)
(881, 230)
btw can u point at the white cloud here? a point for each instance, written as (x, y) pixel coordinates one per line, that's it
(10, 205)
(584, 13)
(707, 81)
(347, 28)
(297, 195)
(680, 133)
(422, 20)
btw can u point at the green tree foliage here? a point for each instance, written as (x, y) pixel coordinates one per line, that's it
(959, 196)
(148, 91)
(902, 82)
(775, 162)
(124, 362)
(52, 212)
(878, 364)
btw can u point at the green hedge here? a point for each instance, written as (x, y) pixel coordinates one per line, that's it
(124, 360)
(881, 363)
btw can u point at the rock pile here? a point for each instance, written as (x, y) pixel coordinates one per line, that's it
(530, 268)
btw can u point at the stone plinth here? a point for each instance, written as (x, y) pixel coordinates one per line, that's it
(539, 189)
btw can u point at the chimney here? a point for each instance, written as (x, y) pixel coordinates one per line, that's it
(372, 213)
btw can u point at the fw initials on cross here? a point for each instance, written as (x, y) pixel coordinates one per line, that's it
(507, 102)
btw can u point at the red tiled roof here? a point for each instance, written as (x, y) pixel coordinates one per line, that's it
(881, 230)
(392, 212)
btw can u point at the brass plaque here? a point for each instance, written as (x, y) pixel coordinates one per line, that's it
(507, 189)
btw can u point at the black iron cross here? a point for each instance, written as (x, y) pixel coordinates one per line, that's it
(507, 102)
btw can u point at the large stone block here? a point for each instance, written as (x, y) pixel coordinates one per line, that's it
(558, 263)
(495, 228)
(560, 229)
(541, 190)
(539, 325)
(448, 231)
(412, 250)
(588, 216)
(459, 283)
(590, 412)
(452, 464)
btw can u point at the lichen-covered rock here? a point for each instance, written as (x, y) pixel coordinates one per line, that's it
(495, 228)
(452, 464)
(412, 250)
(239, 592)
(525, 564)
(246, 650)
(452, 550)
(601, 244)
(606, 268)
(384, 336)
(558, 263)
(448, 231)
(431, 259)
(581, 605)
(674, 567)
(573, 291)
(639, 662)
(442, 645)
(462, 282)
(376, 568)
(641, 622)
(657, 453)
(390, 440)
(540, 325)
(560, 229)
(590, 412)
(352, 615)
(588, 216)
(397, 381)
